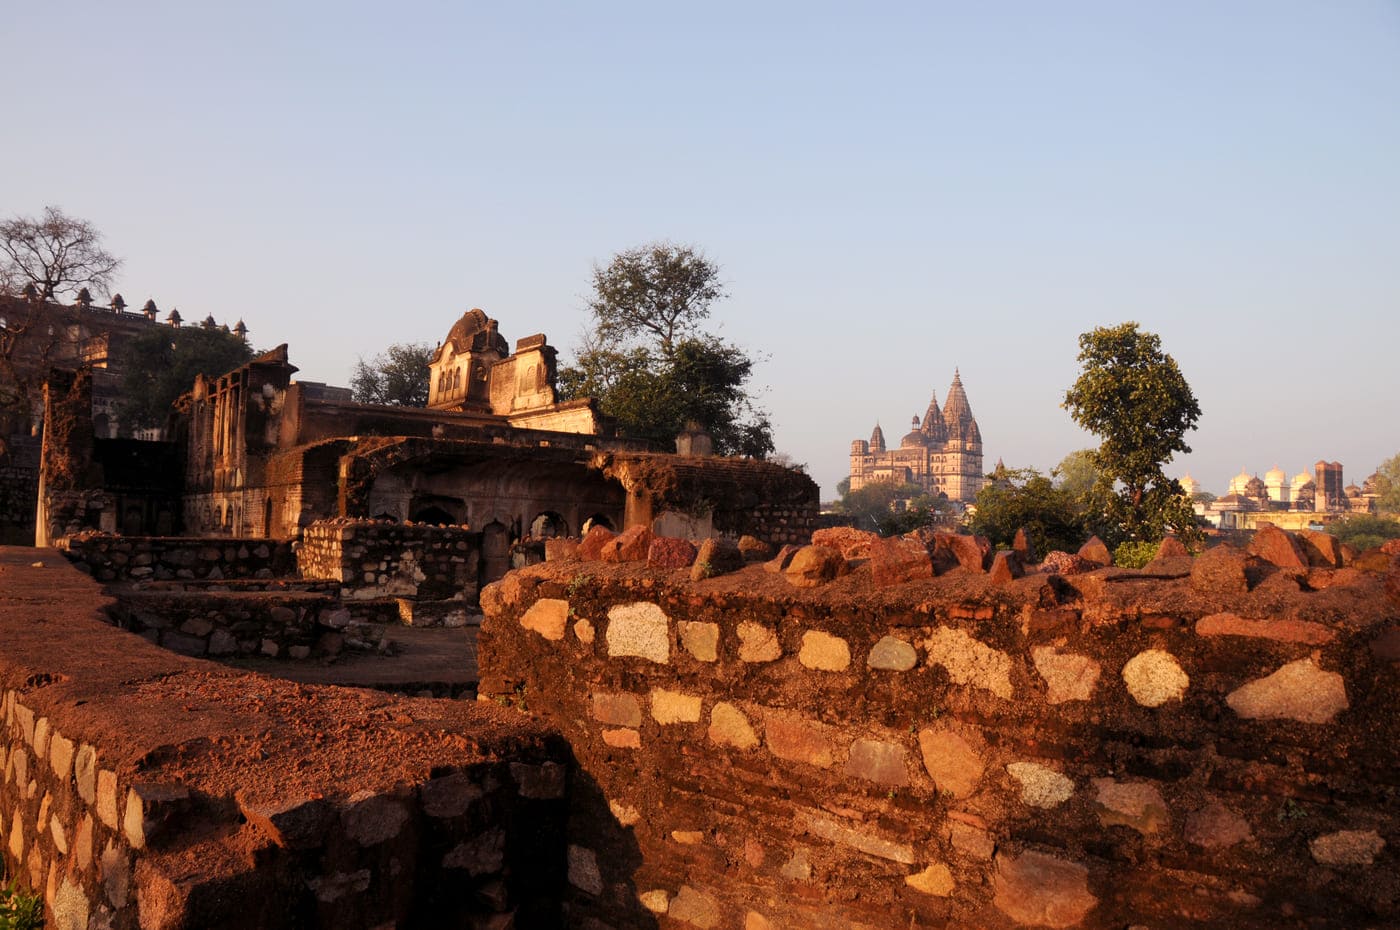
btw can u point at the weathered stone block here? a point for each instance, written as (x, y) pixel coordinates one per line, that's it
(860, 840)
(483, 854)
(782, 560)
(1154, 677)
(812, 566)
(547, 616)
(730, 727)
(891, 654)
(757, 643)
(1006, 568)
(668, 553)
(299, 823)
(591, 549)
(850, 542)
(1220, 572)
(878, 761)
(583, 869)
(695, 908)
(60, 756)
(374, 818)
(796, 738)
(952, 762)
(1347, 848)
(1095, 551)
(632, 545)
(621, 710)
(1215, 826)
(970, 662)
(1278, 547)
(1298, 691)
(1068, 677)
(1131, 804)
(1041, 786)
(560, 549)
(539, 782)
(899, 560)
(754, 549)
(824, 652)
(107, 798)
(623, 739)
(1283, 630)
(716, 556)
(935, 880)
(639, 629)
(700, 639)
(1042, 891)
(674, 707)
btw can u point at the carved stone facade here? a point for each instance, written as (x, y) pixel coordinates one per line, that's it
(941, 455)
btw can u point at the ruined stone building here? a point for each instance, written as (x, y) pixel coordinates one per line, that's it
(941, 455)
(261, 455)
(37, 336)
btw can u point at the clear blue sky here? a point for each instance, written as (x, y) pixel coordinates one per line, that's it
(892, 191)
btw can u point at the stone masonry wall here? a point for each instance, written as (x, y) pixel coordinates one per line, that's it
(379, 559)
(114, 558)
(145, 789)
(282, 625)
(1207, 744)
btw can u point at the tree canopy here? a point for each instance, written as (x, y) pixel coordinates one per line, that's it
(58, 254)
(1053, 516)
(1365, 531)
(161, 364)
(649, 363)
(872, 507)
(1135, 399)
(398, 376)
(1388, 485)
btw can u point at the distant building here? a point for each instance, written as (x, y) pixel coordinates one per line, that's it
(1314, 497)
(942, 454)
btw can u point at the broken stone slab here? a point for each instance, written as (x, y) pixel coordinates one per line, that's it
(1298, 691)
(1347, 848)
(1277, 547)
(1135, 804)
(591, 549)
(547, 616)
(1283, 631)
(667, 553)
(560, 549)
(1216, 826)
(153, 811)
(716, 556)
(754, 549)
(812, 566)
(824, 652)
(878, 761)
(631, 545)
(1006, 567)
(954, 764)
(1220, 572)
(847, 540)
(969, 661)
(639, 629)
(780, 562)
(956, 550)
(1041, 786)
(1065, 563)
(1320, 548)
(1022, 545)
(899, 560)
(1042, 890)
(1096, 551)
(1171, 548)
(1068, 676)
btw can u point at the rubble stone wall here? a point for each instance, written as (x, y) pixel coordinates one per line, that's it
(1110, 749)
(114, 558)
(146, 789)
(377, 559)
(226, 625)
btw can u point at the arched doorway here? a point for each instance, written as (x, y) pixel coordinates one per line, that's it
(548, 525)
(495, 552)
(597, 519)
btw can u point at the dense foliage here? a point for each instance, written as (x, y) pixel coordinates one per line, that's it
(891, 509)
(649, 363)
(1388, 485)
(398, 376)
(1052, 516)
(1134, 398)
(1365, 531)
(161, 364)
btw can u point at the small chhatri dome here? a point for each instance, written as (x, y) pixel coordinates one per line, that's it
(1351, 490)
(1302, 478)
(913, 438)
(1275, 475)
(118, 303)
(240, 329)
(84, 298)
(150, 308)
(174, 319)
(209, 322)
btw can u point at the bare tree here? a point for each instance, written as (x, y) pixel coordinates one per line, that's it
(56, 253)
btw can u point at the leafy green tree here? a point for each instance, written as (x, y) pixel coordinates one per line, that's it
(398, 376)
(1388, 485)
(161, 364)
(872, 506)
(1017, 498)
(1365, 531)
(1134, 398)
(1077, 475)
(649, 363)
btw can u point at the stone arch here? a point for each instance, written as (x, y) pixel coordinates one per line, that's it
(548, 524)
(598, 519)
(495, 551)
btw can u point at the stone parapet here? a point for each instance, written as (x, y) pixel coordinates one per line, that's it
(115, 558)
(1109, 749)
(373, 559)
(145, 789)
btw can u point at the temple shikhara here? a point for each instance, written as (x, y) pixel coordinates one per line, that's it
(942, 454)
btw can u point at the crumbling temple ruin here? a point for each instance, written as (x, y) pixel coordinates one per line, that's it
(940, 456)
